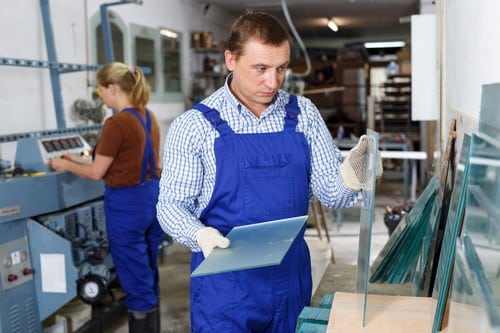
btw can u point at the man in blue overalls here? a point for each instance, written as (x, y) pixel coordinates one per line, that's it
(250, 153)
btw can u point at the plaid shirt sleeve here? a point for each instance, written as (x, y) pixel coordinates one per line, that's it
(188, 175)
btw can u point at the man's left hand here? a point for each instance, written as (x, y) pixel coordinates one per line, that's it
(353, 169)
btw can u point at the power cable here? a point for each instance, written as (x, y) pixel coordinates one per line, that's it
(299, 41)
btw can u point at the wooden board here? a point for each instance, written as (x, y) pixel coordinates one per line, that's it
(385, 313)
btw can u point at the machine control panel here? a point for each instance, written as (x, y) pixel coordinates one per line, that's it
(62, 144)
(34, 153)
(15, 263)
(57, 146)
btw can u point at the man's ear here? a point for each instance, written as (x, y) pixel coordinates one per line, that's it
(230, 59)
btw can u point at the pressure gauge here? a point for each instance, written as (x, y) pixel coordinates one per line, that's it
(92, 289)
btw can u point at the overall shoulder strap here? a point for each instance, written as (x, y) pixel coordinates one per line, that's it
(148, 157)
(213, 116)
(292, 112)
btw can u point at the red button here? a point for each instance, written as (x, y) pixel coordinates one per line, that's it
(27, 271)
(12, 277)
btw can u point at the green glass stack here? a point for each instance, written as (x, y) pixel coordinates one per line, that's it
(397, 260)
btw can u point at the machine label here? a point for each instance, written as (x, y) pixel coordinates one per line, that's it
(15, 257)
(12, 210)
(53, 273)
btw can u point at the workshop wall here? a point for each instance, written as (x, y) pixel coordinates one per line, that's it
(26, 98)
(470, 58)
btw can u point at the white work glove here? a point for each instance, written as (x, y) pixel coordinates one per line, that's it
(209, 238)
(353, 169)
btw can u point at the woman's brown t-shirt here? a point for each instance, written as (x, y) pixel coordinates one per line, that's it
(123, 138)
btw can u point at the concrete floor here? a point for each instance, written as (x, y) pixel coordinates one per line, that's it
(328, 277)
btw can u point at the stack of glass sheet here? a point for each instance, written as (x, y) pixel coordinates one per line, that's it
(426, 268)
(474, 302)
(452, 231)
(396, 262)
(408, 255)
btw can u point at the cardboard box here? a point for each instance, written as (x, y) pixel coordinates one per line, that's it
(404, 54)
(55, 324)
(77, 313)
(405, 68)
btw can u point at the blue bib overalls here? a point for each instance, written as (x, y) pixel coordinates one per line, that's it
(259, 177)
(134, 233)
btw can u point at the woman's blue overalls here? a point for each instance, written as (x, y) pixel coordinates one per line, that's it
(260, 177)
(134, 233)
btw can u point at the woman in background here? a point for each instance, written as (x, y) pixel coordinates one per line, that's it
(127, 158)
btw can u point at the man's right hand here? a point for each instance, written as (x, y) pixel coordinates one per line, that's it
(209, 238)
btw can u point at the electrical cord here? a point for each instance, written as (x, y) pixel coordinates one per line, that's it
(299, 41)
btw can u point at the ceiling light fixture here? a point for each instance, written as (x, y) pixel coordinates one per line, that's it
(332, 25)
(168, 33)
(383, 45)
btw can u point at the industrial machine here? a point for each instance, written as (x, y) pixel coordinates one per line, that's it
(52, 228)
(52, 235)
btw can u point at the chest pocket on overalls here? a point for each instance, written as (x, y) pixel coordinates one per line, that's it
(267, 185)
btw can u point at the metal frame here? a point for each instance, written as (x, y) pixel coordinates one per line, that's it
(57, 68)
(16, 136)
(106, 27)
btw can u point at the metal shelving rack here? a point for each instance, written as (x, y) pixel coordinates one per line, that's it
(395, 107)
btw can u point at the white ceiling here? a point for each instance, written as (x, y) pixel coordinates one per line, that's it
(358, 20)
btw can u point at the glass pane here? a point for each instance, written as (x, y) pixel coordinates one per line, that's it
(472, 306)
(397, 260)
(488, 117)
(256, 245)
(428, 242)
(482, 219)
(171, 63)
(117, 39)
(475, 299)
(366, 222)
(452, 230)
(145, 58)
(426, 268)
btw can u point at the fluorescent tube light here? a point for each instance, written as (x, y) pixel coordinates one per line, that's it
(332, 25)
(168, 33)
(381, 45)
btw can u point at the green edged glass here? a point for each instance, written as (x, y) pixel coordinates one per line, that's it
(452, 230)
(482, 216)
(397, 260)
(366, 222)
(472, 306)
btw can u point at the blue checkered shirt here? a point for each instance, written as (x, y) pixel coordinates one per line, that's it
(188, 175)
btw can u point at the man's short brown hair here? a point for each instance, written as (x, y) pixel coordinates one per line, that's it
(259, 26)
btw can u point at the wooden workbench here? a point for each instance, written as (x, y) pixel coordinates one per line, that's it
(385, 313)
